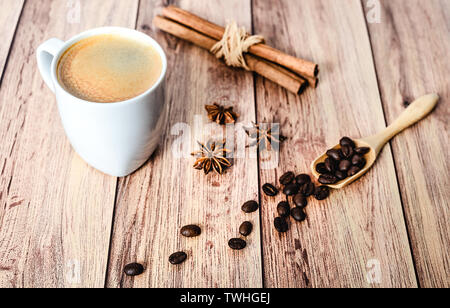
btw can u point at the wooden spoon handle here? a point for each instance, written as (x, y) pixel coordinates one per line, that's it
(418, 110)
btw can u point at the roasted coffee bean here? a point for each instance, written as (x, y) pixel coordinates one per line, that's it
(133, 269)
(287, 178)
(291, 189)
(270, 190)
(308, 189)
(300, 200)
(298, 214)
(322, 192)
(363, 163)
(191, 231)
(320, 168)
(356, 160)
(345, 165)
(281, 225)
(237, 243)
(334, 154)
(283, 209)
(347, 142)
(250, 206)
(362, 151)
(177, 257)
(347, 151)
(353, 170)
(340, 175)
(328, 179)
(302, 179)
(330, 164)
(246, 228)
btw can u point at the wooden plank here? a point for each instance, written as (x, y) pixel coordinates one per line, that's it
(166, 194)
(9, 17)
(56, 212)
(358, 230)
(411, 47)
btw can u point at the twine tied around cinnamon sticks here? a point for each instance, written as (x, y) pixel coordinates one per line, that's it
(292, 73)
(234, 43)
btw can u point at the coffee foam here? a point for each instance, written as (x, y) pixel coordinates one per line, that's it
(109, 68)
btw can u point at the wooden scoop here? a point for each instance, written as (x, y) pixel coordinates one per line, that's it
(418, 110)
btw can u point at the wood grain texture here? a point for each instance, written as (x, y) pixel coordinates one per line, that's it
(55, 211)
(167, 193)
(9, 17)
(342, 236)
(411, 46)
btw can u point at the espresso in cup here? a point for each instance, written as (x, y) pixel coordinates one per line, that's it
(109, 68)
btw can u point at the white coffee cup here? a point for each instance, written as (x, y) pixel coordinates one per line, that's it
(115, 138)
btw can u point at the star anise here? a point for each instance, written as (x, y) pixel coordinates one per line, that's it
(265, 136)
(212, 156)
(221, 115)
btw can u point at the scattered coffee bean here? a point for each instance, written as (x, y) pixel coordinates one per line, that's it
(322, 192)
(250, 206)
(298, 214)
(334, 154)
(287, 178)
(340, 175)
(347, 142)
(320, 168)
(362, 151)
(330, 165)
(308, 189)
(353, 170)
(246, 228)
(191, 231)
(328, 179)
(133, 269)
(281, 225)
(300, 200)
(345, 165)
(283, 209)
(237, 244)
(302, 179)
(291, 189)
(347, 151)
(177, 257)
(270, 190)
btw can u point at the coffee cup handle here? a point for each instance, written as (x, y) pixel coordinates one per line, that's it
(45, 54)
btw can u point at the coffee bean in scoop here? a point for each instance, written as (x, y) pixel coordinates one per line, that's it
(321, 168)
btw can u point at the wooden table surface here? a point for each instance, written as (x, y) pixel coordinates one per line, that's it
(64, 224)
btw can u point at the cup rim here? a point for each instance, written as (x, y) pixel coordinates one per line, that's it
(108, 30)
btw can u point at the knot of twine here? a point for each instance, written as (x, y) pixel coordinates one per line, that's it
(235, 42)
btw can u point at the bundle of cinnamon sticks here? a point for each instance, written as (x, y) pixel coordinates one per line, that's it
(290, 72)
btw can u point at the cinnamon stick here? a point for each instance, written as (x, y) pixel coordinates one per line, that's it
(305, 68)
(270, 71)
